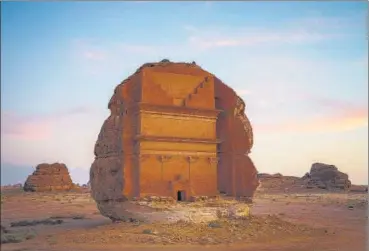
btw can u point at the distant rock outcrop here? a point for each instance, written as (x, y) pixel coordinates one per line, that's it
(276, 183)
(49, 177)
(326, 177)
(321, 176)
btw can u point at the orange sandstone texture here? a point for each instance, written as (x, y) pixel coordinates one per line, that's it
(49, 177)
(175, 130)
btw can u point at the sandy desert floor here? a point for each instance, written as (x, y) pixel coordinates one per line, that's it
(291, 222)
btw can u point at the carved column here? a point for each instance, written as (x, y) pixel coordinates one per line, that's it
(162, 159)
(191, 159)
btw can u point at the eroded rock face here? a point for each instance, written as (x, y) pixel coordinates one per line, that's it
(115, 175)
(237, 175)
(49, 177)
(327, 177)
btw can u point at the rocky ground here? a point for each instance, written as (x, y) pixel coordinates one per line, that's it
(277, 221)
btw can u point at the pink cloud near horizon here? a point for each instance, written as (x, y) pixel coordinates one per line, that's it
(37, 127)
(341, 117)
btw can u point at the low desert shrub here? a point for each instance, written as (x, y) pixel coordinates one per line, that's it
(16, 236)
(74, 217)
(25, 223)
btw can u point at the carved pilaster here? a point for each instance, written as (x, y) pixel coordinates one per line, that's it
(164, 158)
(192, 159)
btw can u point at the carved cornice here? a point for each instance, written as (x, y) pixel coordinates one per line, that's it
(179, 153)
(175, 139)
(178, 110)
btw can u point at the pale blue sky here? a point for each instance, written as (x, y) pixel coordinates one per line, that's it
(300, 66)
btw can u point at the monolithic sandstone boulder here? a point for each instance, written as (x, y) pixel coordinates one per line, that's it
(174, 130)
(49, 177)
(327, 177)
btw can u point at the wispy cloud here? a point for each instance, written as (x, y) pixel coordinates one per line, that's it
(26, 128)
(203, 38)
(136, 48)
(89, 50)
(94, 54)
(304, 30)
(252, 38)
(190, 28)
(332, 116)
(35, 127)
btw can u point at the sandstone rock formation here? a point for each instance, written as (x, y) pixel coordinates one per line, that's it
(49, 177)
(174, 130)
(326, 177)
(277, 183)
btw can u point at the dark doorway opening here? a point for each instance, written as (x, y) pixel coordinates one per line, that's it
(180, 195)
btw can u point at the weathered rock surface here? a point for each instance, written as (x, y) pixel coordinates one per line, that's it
(326, 177)
(322, 177)
(276, 183)
(49, 177)
(113, 174)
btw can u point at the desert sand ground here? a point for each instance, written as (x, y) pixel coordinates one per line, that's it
(278, 221)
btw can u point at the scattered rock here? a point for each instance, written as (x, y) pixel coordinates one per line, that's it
(239, 211)
(214, 224)
(150, 231)
(17, 236)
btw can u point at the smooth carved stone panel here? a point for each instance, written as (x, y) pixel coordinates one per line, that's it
(177, 126)
(200, 173)
(176, 146)
(152, 93)
(151, 174)
(175, 85)
(175, 169)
